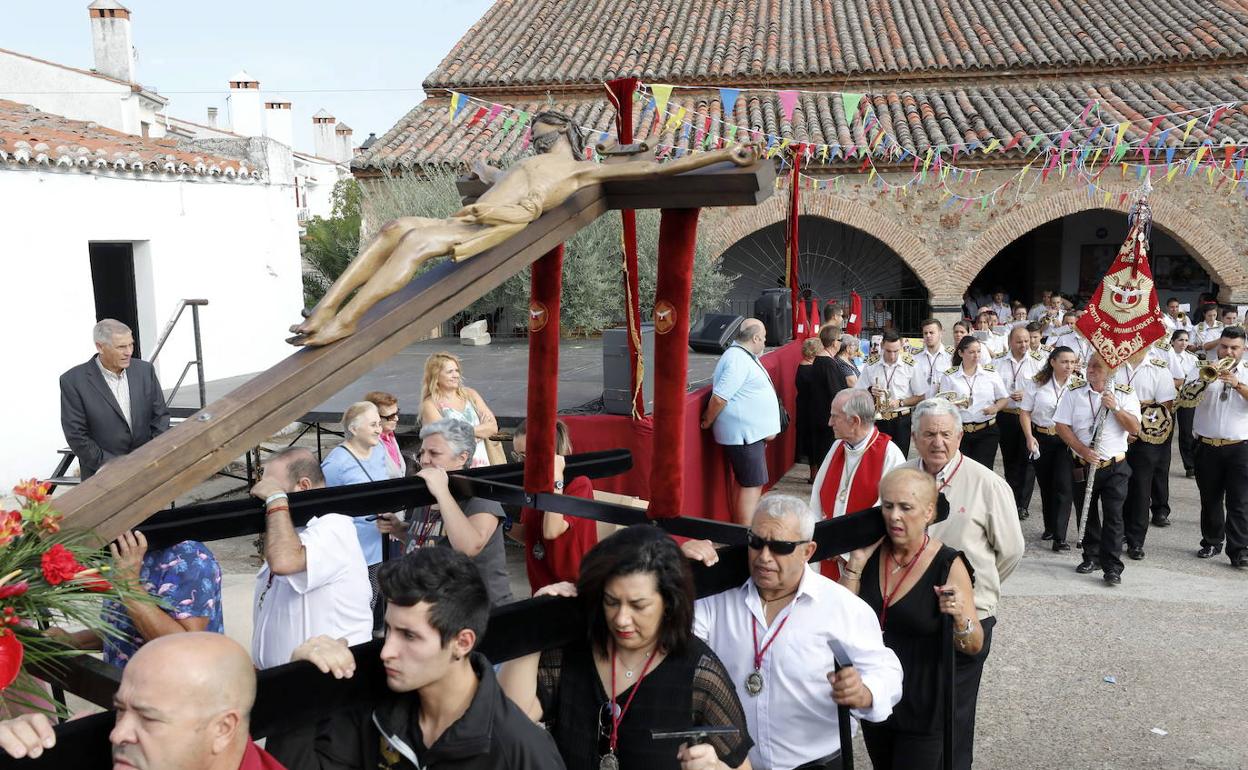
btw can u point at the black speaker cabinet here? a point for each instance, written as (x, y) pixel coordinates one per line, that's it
(714, 333)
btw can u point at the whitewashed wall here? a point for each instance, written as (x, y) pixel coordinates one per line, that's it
(76, 95)
(234, 244)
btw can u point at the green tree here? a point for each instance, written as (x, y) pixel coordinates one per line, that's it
(330, 244)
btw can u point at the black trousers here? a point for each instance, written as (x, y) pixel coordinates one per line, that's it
(981, 446)
(1102, 536)
(1160, 504)
(891, 749)
(898, 429)
(1018, 470)
(968, 670)
(1053, 476)
(1187, 439)
(1146, 462)
(1222, 474)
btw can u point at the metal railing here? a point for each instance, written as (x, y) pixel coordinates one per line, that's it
(198, 361)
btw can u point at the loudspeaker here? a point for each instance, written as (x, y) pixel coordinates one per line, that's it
(714, 333)
(774, 307)
(617, 398)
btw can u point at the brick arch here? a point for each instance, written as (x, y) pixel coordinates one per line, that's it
(727, 226)
(1195, 236)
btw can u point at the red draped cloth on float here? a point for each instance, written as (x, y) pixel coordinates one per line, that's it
(546, 285)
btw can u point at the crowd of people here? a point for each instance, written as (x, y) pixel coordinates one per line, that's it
(898, 632)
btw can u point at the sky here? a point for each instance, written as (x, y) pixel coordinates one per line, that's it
(363, 61)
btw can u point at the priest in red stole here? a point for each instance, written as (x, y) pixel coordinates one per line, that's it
(849, 479)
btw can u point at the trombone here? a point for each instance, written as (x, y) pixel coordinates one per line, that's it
(1193, 392)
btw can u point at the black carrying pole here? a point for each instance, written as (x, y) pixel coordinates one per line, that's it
(949, 663)
(846, 728)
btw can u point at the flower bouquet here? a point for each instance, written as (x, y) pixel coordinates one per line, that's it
(47, 576)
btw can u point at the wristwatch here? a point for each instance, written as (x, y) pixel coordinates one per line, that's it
(559, 484)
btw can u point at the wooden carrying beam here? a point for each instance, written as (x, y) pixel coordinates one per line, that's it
(131, 488)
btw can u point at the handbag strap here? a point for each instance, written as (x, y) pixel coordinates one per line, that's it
(760, 364)
(357, 462)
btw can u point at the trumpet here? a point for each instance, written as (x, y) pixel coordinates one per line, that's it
(957, 399)
(1192, 392)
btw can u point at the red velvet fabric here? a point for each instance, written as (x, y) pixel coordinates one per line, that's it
(853, 321)
(546, 285)
(678, 236)
(707, 483)
(795, 187)
(621, 93)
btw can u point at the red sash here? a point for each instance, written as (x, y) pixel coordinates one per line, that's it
(864, 488)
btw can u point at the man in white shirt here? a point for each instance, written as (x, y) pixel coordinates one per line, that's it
(1066, 336)
(312, 582)
(1001, 306)
(1221, 422)
(1148, 374)
(1016, 368)
(1175, 319)
(984, 525)
(1105, 456)
(1184, 368)
(929, 363)
(781, 636)
(887, 377)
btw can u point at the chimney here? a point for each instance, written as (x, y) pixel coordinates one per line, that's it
(343, 135)
(246, 113)
(111, 41)
(323, 135)
(278, 123)
(212, 117)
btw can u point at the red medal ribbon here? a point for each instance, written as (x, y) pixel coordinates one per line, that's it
(617, 719)
(758, 654)
(888, 598)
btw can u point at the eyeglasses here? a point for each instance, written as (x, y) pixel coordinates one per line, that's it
(389, 417)
(778, 547)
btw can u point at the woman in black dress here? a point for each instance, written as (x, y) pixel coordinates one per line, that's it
(910, 579)
(640, 668)
(803, 420)
(828, 381)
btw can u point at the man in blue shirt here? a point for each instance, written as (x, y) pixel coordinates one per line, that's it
(744, 414)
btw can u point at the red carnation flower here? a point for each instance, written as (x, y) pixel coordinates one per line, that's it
(59, 565)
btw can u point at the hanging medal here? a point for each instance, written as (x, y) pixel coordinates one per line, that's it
(754, 680)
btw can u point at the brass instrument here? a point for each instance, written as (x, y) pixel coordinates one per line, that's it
(1192, 392)
(957, 399)
(880, 394)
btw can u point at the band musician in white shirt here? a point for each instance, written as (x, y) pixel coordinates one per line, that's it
(781, 636)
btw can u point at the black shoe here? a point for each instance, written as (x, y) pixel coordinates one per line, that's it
(1190, 473)
(1087, 565)
(1208, 551)
(1241, 560)
(1061, 545)
(1047, 535)
(1112, 578)
(1136, 553)
(1161, 521)
(1023, 514)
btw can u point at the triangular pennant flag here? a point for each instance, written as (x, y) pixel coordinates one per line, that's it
(850, 102)
(457, 99)
(1187, 129)
(520, 121)
(1030, 146)
(788, 101)
(1083, 116)
(728, 98)
(1170, 155)
(662, 93)
(493, 113)
(476, 116)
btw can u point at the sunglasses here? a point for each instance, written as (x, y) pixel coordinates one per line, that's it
(778, 547)
(389, 417)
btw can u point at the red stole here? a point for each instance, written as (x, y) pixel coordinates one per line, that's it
(864, 487)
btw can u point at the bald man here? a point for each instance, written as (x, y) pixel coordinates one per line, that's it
(184, 703)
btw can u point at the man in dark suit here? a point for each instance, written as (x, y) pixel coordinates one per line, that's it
(112, 404)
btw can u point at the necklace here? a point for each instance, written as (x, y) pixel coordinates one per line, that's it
(628, 672)
(888, 597)
(610, 761)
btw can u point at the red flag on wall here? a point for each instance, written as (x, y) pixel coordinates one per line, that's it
(1123, 317)
(853, 322)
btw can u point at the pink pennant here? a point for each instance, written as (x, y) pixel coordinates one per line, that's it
(788, 102)
(494, 110)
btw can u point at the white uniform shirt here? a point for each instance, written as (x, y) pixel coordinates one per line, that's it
(1016, 374)
(997, 344)
(1172, 324)
(793, 719)
(1078, 410)
(928, 369)
(1202, 335)
(119, 385)
(893, 458)
(1075, 342)
(984, 387)
(1183, 366)
(1227, 418)
(1041, 401)
(330, 597)
(983, 524)
(894, 378)
(1151, 381)
(1003, 311)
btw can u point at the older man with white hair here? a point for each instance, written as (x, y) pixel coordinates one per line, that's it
(983, 524)
(849, 479)
(781, 636)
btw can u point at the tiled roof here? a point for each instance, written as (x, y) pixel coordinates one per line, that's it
(30, 137)
(918, 118)
(538, 42)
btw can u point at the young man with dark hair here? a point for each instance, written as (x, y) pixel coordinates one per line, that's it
(446, 708)
(1221, 422)
(888, 376)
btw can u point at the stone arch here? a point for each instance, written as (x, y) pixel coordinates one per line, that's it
(1208, 248)
(731, 225)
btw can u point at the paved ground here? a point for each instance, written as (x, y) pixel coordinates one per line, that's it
(1173, 636)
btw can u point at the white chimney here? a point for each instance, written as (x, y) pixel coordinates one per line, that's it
(111, 41)
(212, 117)
(246, 113)
(278, 123)
(323, 138)
(343, 134)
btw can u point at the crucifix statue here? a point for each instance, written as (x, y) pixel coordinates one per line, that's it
(516, 197)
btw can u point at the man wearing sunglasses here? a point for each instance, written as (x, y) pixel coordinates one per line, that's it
(781, 637)
(983, 524)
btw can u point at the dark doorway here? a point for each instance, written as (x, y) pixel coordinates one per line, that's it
(112, 276)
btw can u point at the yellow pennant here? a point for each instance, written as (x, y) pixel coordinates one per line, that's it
(1200, 153)
(1187, 130)
(662, 92)
(1106, 201)
(994, 144)
(1173, 170)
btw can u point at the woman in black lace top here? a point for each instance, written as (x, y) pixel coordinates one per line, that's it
(639, 669)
